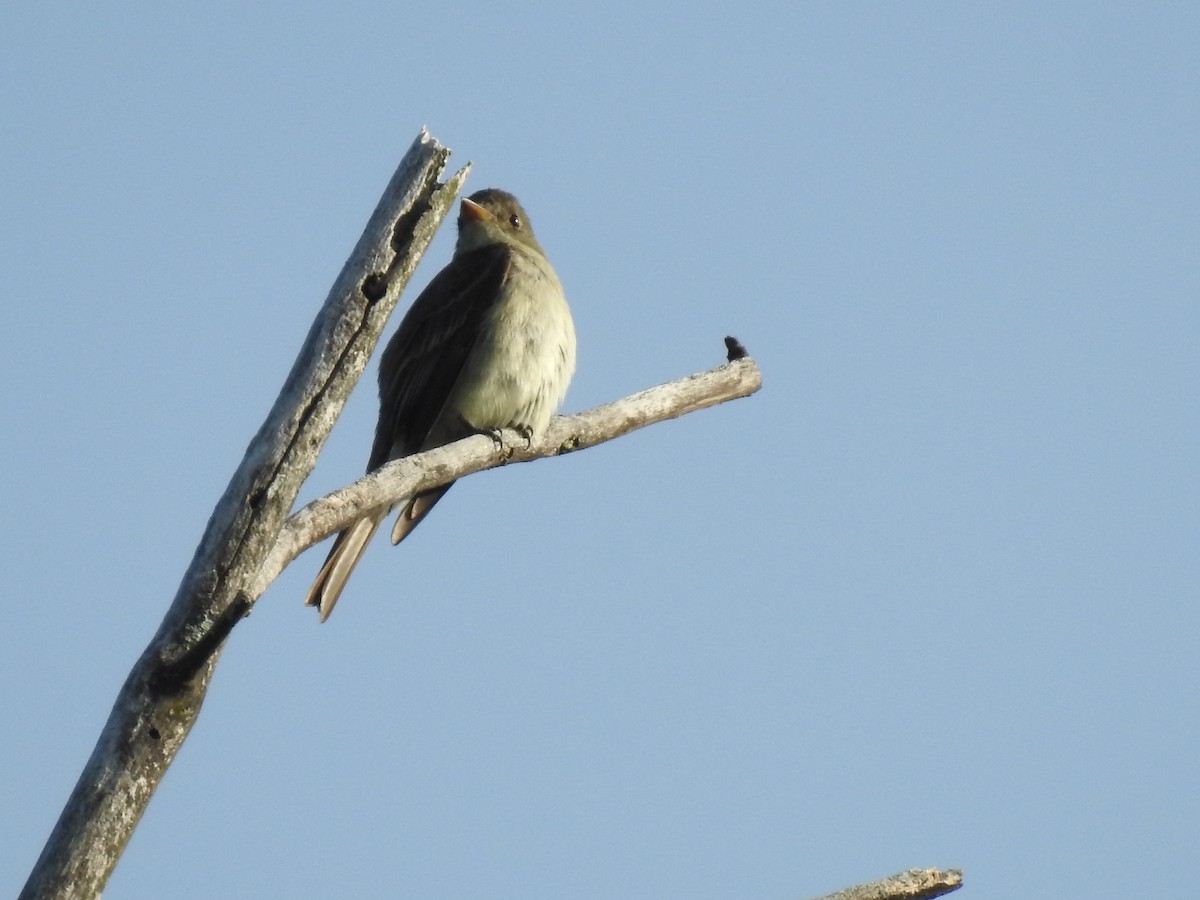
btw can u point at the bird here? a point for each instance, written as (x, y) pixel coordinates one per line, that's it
(489, 344)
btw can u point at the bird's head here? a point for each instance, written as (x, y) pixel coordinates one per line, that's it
(493, 216)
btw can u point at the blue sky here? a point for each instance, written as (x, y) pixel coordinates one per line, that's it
(928, 599)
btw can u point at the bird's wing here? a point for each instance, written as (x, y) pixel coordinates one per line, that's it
(425, 356)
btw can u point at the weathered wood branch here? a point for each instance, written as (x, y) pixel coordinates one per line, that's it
(161, 698)
(422, 471)
(913, 884)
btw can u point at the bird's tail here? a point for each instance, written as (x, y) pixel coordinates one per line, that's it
(347, 550)
(416, 509)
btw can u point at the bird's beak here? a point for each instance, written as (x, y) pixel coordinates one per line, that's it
(474, 211)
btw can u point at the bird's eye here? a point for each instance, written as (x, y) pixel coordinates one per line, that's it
(515, 221)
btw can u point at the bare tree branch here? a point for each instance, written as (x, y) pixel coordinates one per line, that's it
(914, 884)
(161, 698)
(423, 471)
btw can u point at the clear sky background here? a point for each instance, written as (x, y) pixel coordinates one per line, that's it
(928, 599)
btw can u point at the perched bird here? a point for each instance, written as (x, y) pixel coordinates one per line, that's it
(488, 344)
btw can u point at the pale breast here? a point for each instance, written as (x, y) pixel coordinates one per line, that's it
(522, 365)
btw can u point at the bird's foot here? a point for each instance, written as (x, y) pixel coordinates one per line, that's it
(495, 434)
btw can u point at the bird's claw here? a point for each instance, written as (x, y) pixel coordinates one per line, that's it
(496, 435)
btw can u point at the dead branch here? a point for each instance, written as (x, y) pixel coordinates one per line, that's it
(913, 884)
(161, 698)
(422, 471)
